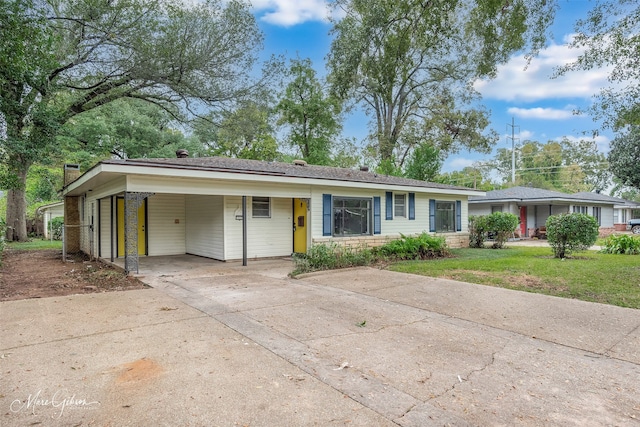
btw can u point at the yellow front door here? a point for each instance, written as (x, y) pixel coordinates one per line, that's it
(299, 226)
(142, 235)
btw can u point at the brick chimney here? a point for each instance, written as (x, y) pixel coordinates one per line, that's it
(71, 173)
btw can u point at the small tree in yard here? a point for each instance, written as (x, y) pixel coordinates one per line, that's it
(477, 231)
(567, 233)
(503, 224)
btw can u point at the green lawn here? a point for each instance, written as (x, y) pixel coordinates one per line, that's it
(35, 244)
(589, 276)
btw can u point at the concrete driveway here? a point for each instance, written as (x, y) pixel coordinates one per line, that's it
(222, 344)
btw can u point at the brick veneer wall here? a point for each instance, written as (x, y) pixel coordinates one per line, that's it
(454, 240)
(605, 231)
(72, 223)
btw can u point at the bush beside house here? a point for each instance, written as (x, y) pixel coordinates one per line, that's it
(572, 232)
(501, 225)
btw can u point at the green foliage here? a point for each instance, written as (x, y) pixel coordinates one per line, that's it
(621, 244)
(566, 166)
(424, 163)
(43, 184)
(331, 256)
(62, 59)
(500, 224)
(244, 133)
(422, 247)
(55, 227)
(624, 155)
(123, 128)
(312, 117)
(470, 176)
(503, 224)
(572, 232)
(477, 231)
(412, 66)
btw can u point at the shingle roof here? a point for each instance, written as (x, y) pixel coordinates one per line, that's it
(605, 198)
(535, 194)
(257, 167)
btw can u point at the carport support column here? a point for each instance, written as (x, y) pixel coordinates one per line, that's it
(132, 202)
(244, 231)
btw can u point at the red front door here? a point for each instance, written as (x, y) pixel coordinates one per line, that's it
(523, 221)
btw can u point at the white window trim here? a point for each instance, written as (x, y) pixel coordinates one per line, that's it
(405, 198)
(268, 203)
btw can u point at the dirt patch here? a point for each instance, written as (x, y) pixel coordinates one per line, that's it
(521, 281)
(42, 273)
(138, 371)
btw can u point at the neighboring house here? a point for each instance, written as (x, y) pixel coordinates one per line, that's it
(230, 209)
(623, 210)
(534, 205)
(48, 212)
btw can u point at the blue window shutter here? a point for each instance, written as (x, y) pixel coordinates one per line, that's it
(432, 215)
(376, 216)
(389, 206)
(412, 205)
(458, 215)
(326, 214)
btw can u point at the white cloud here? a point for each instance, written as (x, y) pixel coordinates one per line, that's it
(288, 12)
(459, 163)
(517, 82)
(542, 113)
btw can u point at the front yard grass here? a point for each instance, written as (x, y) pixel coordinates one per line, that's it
(35, 244)
(588, 275)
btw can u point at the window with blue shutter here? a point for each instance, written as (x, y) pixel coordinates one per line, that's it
(326, 214)
(389, 206)
(432, 215)
(377, 220)
(458, 215)
(412, 206)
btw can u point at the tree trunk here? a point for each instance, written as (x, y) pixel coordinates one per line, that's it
(17, 208)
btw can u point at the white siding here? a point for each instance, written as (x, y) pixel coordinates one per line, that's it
(166, 224)
(105, 228)
(266, 237)
(607, 216)
(205, 226)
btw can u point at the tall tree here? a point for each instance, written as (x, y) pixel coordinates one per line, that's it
(624, 157)
(62, 58)
(245, 133)
(412, 63)
(424, 164)
(313, 118)
(476, 177)
(566, 165)
(124, 128)
(610, 36)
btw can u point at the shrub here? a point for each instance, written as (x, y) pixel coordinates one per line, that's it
(621, 244)
(55, 227)
(423, 246)
(567, 233)
(500, 224)
(331, 256)
(503, 224)
(477, 231)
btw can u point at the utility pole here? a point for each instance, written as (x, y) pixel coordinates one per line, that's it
(513, 148)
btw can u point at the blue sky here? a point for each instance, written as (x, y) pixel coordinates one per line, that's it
(541, 107)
